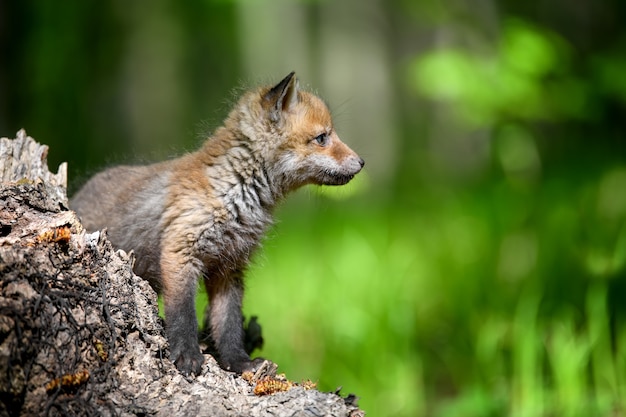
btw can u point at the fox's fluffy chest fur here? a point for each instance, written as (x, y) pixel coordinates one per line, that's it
(203, 214)
(223, 208)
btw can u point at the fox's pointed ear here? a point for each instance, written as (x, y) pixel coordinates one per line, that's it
(282, 97)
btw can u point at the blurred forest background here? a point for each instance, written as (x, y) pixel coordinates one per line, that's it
(476, 268)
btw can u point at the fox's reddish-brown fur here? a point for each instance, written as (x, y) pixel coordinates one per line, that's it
(203, 214)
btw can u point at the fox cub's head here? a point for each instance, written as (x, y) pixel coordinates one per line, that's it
(303, 147)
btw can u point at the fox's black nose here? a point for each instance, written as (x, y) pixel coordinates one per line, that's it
(361, 162)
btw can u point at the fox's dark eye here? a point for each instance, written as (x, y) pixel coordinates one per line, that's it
(322, 139)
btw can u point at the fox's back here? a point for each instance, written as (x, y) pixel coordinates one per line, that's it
(201, 204)
(129, 202)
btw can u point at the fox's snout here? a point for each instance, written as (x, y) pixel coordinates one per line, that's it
(351, 167)
(346, 163)
(361, 164)
(330, 171)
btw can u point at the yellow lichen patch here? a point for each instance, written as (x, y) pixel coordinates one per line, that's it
(68, 382)
(102, 353)
(59, 234)
(248, 376)
(308, 384)
(271, 385)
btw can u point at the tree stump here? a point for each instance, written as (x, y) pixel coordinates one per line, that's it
(80, 333)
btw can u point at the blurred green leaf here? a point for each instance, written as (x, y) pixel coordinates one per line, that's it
(526, 49)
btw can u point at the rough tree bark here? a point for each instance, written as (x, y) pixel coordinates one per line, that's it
(80, 333)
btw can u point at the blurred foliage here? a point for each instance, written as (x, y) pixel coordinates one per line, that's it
(526, 76)
(477, 267)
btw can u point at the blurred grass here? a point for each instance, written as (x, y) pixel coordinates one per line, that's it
(446, 309)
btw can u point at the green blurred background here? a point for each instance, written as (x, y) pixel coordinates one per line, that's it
(476, 268)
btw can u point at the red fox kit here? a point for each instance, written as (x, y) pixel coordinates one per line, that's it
(203, 214)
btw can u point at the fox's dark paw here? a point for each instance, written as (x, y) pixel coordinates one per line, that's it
(188, 362)
(245, 365)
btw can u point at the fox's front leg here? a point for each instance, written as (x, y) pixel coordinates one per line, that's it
(225, 297)
(179, 282)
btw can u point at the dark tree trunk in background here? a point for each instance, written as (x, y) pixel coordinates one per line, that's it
(80, 333)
